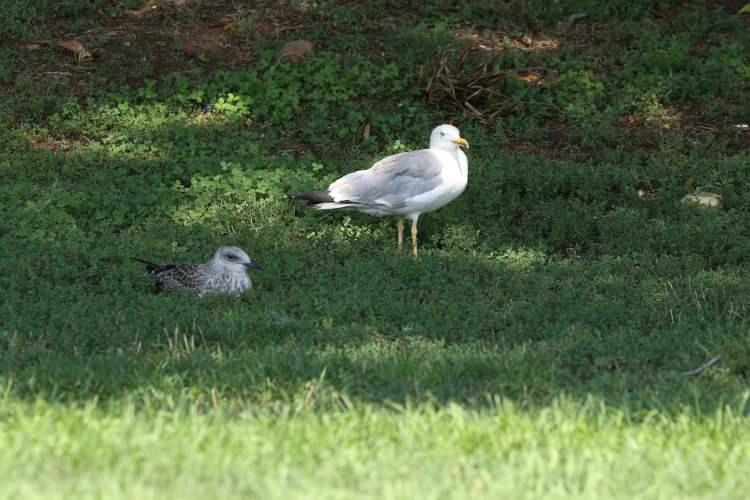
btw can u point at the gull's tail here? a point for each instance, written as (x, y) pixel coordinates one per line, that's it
(322, 200)
(150, 266)
(312, 197)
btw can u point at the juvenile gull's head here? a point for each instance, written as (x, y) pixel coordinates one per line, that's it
(233, 259)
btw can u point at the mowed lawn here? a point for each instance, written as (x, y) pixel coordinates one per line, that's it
(420, 451)
(571, 328)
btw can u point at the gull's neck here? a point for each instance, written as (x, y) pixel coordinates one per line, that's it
(463, 162)
(216, 266)
(225, 278)
(455, 152)
(237, 277)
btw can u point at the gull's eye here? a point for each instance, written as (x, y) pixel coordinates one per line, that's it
(442, 134)
(231, 256)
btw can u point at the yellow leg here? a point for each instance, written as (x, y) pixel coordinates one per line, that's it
(400, 231)
(414, 237)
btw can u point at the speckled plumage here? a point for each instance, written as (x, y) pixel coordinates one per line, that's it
(225, 273)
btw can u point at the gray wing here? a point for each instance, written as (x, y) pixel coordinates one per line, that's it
(390, 181)
(178, 277)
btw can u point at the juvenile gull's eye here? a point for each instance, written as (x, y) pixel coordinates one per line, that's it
(231, 256)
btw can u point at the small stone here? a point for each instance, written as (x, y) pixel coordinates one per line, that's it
(704, 199)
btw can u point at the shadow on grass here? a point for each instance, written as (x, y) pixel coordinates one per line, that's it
(337, 314)
(361, 324)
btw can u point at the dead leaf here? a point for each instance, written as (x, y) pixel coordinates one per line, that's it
(532, 78)
(148, 7)
(35, 44)
(206, 43)
(230, 25)
(366, 132)
(227, 23)
(76, 48)
(296, 50)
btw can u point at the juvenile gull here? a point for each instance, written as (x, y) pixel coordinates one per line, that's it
(405, 184)
(224, 273)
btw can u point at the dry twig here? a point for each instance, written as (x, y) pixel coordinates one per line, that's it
(474, 87)
(708, 364)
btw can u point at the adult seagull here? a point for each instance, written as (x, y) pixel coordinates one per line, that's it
(405, 184)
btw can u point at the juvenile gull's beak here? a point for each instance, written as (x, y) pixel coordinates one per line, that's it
(461, 142)
(254, 264)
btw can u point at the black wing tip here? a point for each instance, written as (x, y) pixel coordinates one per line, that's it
(312, 197)
(150, 266)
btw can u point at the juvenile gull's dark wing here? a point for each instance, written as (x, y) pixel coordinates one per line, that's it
(175, 276)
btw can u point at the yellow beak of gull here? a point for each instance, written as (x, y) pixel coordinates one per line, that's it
(462, 143)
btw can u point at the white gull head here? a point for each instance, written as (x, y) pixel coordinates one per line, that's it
(447, 138)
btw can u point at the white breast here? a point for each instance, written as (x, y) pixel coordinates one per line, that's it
(240, 282)
(453, 182)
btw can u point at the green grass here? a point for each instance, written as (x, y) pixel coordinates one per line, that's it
(537, 348)
(404, 452)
